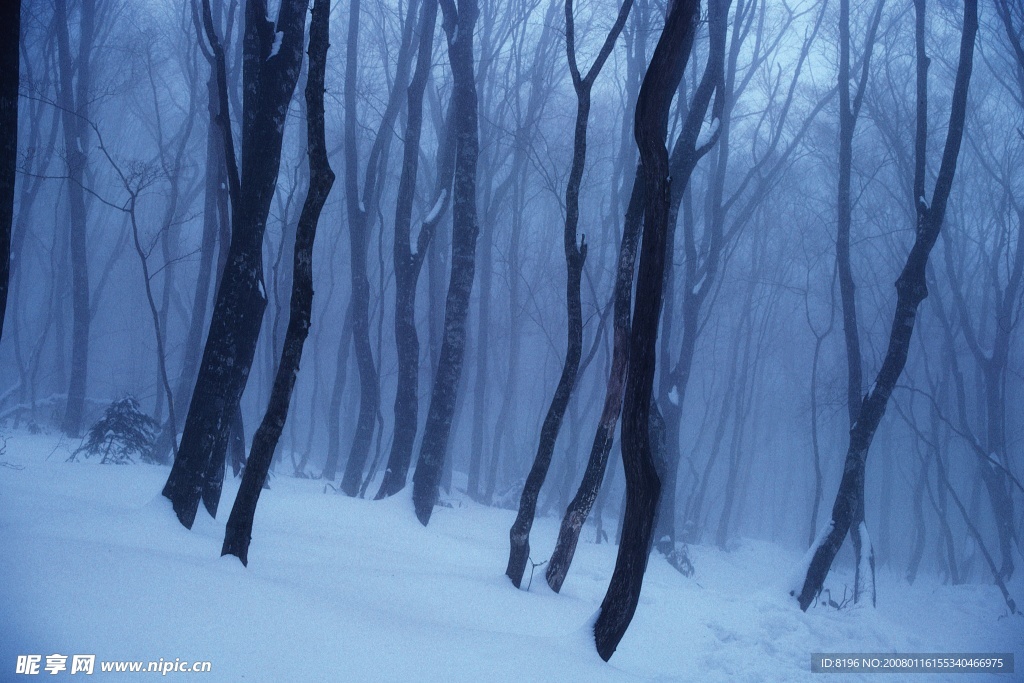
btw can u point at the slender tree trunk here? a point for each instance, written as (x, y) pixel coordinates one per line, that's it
(408, 264)
(480, 398)
(575, 257)
(459, 24)
(578, 510)
(239, 527)
(330, 470)
(75, 85)
(911, 290)
(10, 47)
(361, 211)
(643, 485)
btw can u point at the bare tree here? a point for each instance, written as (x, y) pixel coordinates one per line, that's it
(74, 93)
(848, 113)
(575, 257)
(911, 290)
(409, 263)
(361, 208)
(459, 23)
(239, 527)
(10, 53)
(272, 58)
(643, 485)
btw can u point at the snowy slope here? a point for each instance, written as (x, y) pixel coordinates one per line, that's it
(92, 561)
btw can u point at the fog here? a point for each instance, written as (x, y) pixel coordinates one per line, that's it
(805, 175)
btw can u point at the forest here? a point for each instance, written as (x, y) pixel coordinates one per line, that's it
(686, 307)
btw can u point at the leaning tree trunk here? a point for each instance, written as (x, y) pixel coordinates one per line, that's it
(575, 257)
(458, 25)
(269, 80)
(911, 290)
(10, 45)
(643, 485)
(239, 528)
(579, 509)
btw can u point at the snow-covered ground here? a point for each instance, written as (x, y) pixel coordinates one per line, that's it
(93, 561)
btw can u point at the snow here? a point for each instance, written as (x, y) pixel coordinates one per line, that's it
(436, 209)
(700, 283)
(867, 585)
(673, 395)
(798, 573)
(278, 37)
(94, 562)
(707, 133)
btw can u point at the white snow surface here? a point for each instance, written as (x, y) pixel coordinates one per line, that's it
(94, 562)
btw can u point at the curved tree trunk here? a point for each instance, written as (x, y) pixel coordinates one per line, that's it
(239, 527)
(408, 263)
(578, 510)
(643, 486)
(911, 290)
(459, 25)
(575, 257)
(269, 79)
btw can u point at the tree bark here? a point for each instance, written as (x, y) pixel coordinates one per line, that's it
(578, 510)
(643, 485)
(269, 80)
(239, 527)
(459, 24)
(575, 257)
(408, 264)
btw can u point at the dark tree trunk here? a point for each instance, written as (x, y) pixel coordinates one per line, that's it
(911, 290)
(361, 209)
(575, 257)
(408, 264)
(358, 226)
(848, 113)
(268, 83)
(330, 470)
(578, 510)
(10, 52)
(459, 25)
(698, 278)
(643, 485)
(74, 95)
(239, 527)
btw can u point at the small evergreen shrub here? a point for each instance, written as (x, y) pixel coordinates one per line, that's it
(124, 431)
